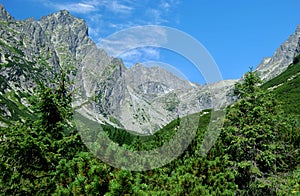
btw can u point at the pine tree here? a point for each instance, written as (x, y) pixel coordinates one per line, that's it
(32, 148)
(252, 137)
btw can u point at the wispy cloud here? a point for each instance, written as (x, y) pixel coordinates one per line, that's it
(132, 38)
(156, 16)
(140, 55)
(165, 5)
(84, 7)
(92, 11)
(106, 17)
(117, 7)
(96, 22)
(88, 6)
(137, 44)
(118, 14)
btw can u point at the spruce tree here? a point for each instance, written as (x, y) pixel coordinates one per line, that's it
(252, 138)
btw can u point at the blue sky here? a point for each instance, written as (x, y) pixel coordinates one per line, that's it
(237, 33)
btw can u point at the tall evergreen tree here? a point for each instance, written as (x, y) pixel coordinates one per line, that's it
(252, 137)
(31, 149)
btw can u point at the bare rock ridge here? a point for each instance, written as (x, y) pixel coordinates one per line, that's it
(142, 99)
(4, 15)
(282, 58)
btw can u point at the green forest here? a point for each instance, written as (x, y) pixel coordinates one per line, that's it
(257, 152)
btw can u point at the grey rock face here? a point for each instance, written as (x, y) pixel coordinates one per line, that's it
(140, 98)
(282, 58)
(4, 15)
(154, 81)
(153, 97)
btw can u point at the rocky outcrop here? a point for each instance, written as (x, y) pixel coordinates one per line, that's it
(282, 58)
(4, 15)
(139, 98)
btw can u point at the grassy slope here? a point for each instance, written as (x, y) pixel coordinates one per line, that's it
(144, 142)
(167, 132)
(287, 89)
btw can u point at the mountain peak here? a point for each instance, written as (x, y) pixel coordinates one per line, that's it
(65, 26)
(140, 75)
(63, 17)
(64, 12)
(4, 15)
(282, 58)
(298, 29)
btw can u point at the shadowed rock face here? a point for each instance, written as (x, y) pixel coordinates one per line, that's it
(140, 98)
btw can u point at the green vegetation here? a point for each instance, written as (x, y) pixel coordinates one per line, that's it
(12, 49)
(286, 88)
(42, 152)
(257, 152)
(32, 149)
(258, 141)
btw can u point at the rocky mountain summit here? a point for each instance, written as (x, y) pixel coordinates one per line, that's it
(140, 98)
(4, 15)
(272, 66)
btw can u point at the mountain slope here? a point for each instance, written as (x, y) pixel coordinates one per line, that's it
(287, 89)
(257, 152)
(141, 98)
(272, 66)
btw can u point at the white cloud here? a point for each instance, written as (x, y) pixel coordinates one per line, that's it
(82, 8)
(137, 44)
(140, 55)
(88, 6)
(156, 15)
(119, 15)
(135, 37)
(116, 7)
(96, 24)
(165, 5)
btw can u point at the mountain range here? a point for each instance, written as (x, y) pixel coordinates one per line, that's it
(140, 98)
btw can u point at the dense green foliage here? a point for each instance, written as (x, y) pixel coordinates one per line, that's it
(31, 149)
(142, 142)
(257, 140)
(257, 152)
